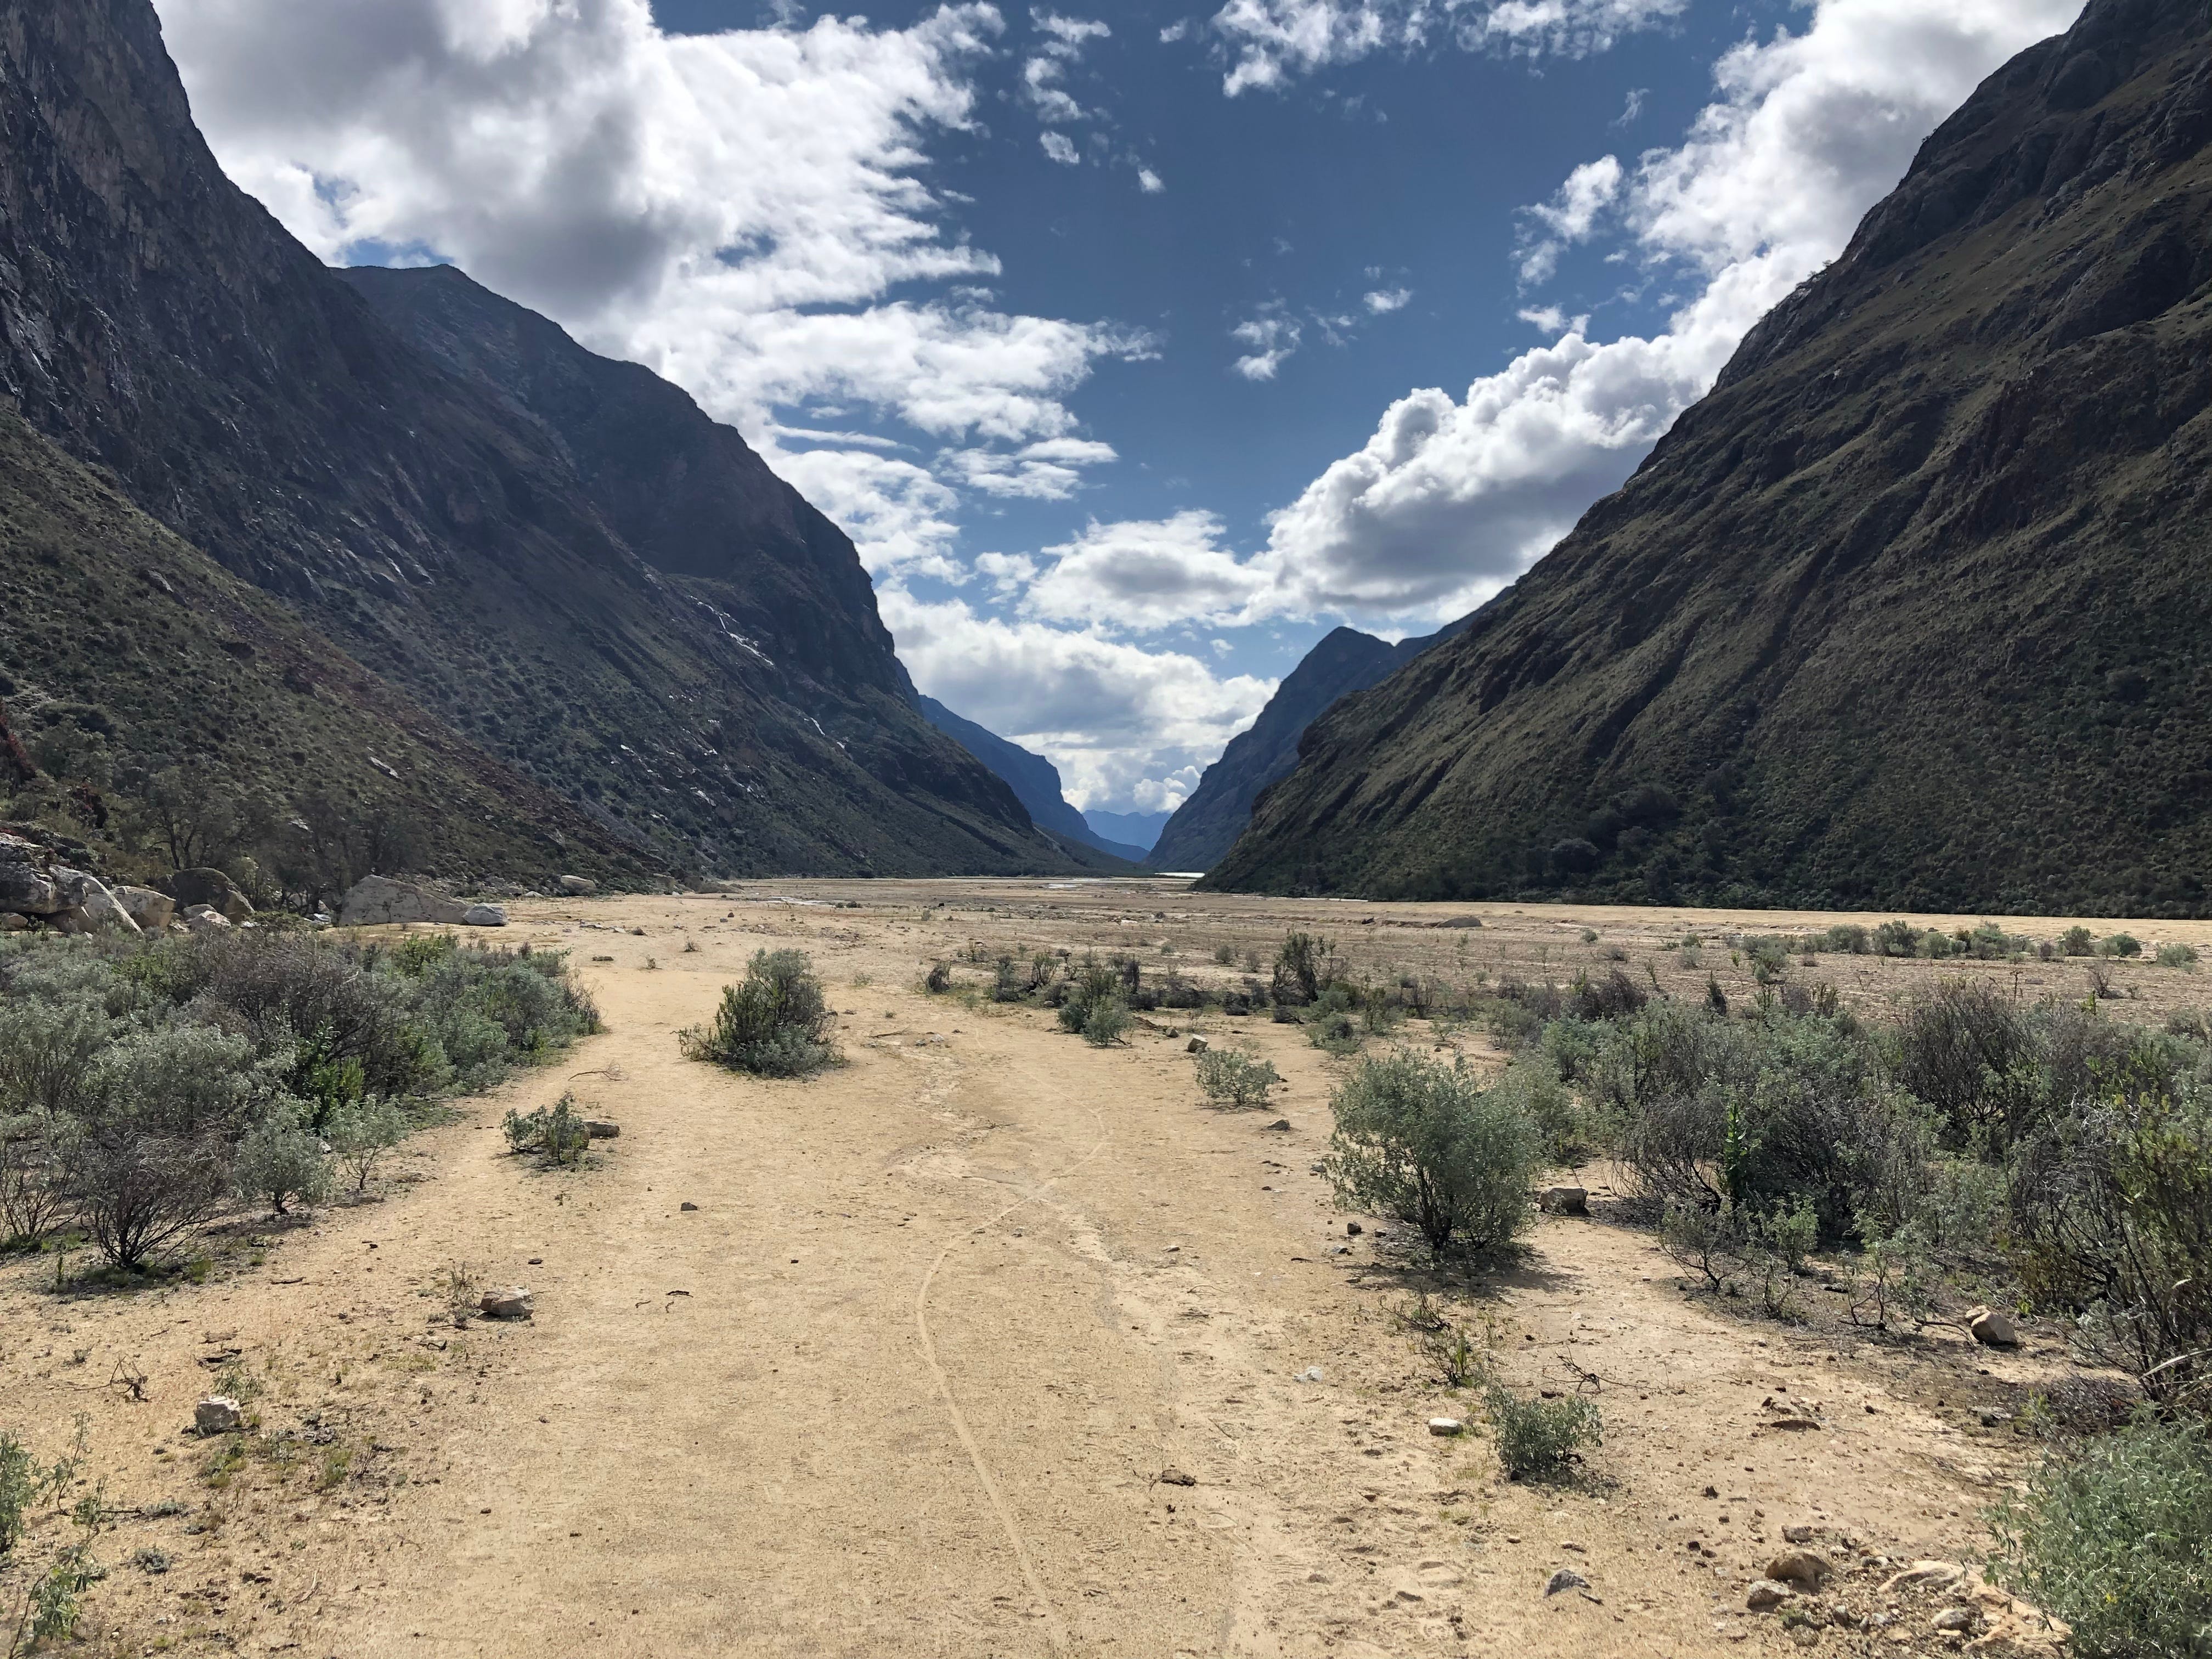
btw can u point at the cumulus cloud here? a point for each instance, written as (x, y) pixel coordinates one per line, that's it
(1381, 302)
(1050, 470)
(1548, 230)
(1123, 724)
(1273, 336)
(1150, 182)
(1139, 575)
(1268, 41)
(1452, 498)
(1059, 148)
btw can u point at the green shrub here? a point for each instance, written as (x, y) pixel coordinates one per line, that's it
(19, 1484)
(2121, 945)
(1104, 1021)
(2077, 942)
(1304, 967)
(2115, 1537)
(1533, 1087)
(360, 1136)
(1331, 1022)
(1230, 1077)
(2177, 955)
(774, 1024)
(1542, 1439)
(282, 1161)
(1424, 1142)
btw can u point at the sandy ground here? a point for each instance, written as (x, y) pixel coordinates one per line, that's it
(905, 1380)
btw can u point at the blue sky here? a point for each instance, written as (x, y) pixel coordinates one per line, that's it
(1136, 346)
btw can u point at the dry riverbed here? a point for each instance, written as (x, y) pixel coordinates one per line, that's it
(893, 1362)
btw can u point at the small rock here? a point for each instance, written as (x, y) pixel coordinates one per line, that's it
(1282, 1124)
(1563, 1200)
(216, 1414)
(1446, 1426)
(579, 885)
(1766, 1595)
(1352, 1229)
(599, 1129)
(1196, 1046)
(1174, 1477)
(483, 915)
(204, 918)
(1801, 1534)
(1312, 1374)
(687, 1204)
(1992, 1418)
(12, 923)
(1953, 1618)
(1991, 1329)
(512, 1303)
(1565, 1578)
(1806, 1569)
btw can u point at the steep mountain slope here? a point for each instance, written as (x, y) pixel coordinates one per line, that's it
(1036, 783)
(1205, 827)
(1138, 830)
(155, 319)
(125, 652)
(1910, 612)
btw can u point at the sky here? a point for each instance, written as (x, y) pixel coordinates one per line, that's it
(1136, 346)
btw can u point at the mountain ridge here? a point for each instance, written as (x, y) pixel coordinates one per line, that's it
(1034, 780)
(1907, 612)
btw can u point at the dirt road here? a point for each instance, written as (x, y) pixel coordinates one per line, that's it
(894, 1362)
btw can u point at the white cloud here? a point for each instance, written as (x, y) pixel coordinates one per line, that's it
(1043, 75)
(1451, 499)
(1274, 337)
(1381, 302)
(1139, 575)
(1175, 32)
(1568, 218)
(577, 159)
(1149, 181)
(1058, 147)
(1269, 40)
(1048, 472)
(1123, 724)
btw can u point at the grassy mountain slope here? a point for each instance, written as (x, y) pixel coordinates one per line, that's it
(125, 652)
(1910, 612)
(155, 319)
(1205, 827)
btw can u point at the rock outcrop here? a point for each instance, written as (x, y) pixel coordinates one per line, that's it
(380, 901)
(1908, 614)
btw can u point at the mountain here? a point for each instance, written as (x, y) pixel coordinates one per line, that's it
(125, 651)
(1205, 827)
(562, 558)
(1138, 829)
(1036, 783)
(1910, 613)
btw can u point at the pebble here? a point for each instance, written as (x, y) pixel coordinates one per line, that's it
(1175, 1477)
(1565, 1578)
(1312, 1374)
(1804, 1568)
(687, 1204)
(1767, 1594)
(216, 1414)
(1282, 1124)
(1953, 1618)
(512, 1303)
(1446, 1426)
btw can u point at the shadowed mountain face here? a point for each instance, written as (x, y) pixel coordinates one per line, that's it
(1036, 783)
(1205, 827)
(1909, 613)
(561, 556)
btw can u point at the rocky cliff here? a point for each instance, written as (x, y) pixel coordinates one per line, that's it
(1910, 612)
(718, 692)
(1205, 827)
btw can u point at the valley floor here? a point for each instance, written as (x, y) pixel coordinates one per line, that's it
(906, 1379)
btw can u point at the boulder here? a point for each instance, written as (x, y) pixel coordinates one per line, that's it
(26, 886)
(1805, 1569)
(483, 915)
(374, 900)
(1991, 1329)
(1563, 1200)
(1566, 1578)
(1196, 1046)
(579, 885)
(12, 923)
(512, 1303)
(211, 887)
(216, 1414)
(152, 911)
(93, 909)
(1446, 1427)
(205, 918)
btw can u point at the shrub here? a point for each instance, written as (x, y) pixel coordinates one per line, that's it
(938, 980)
(362, 1134)
(1229, 1077)
(1104, 1021)
(1330, 1023)
(1896, 938)
(1540, 1439)
(1304, 967)
(774, 1024)
(2121, 945)
(1090, 984)
(2177, 955)
(2115, 1539)
(1424, 1142)
(280, 1160)
(1563, 1127)
(558, 1132)
(1969, 1053)
(1616, 996)
(2077, 942)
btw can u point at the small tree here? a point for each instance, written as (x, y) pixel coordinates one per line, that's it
(1422, 1141)
(282, 1162)
(1304, 967)
(775, 1023)
(362, 1133)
